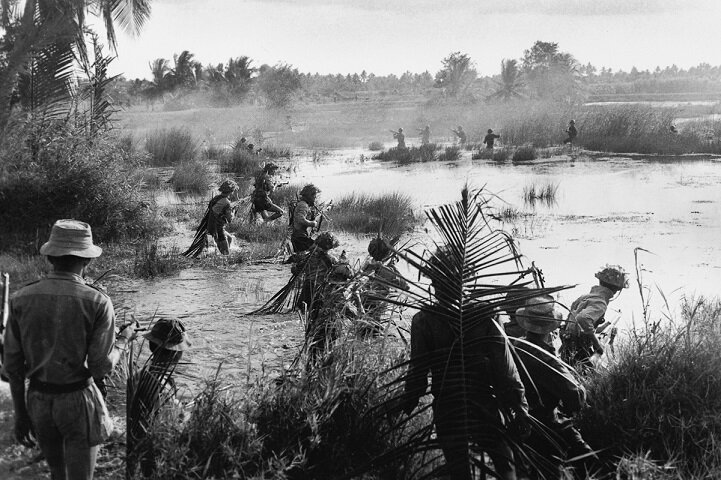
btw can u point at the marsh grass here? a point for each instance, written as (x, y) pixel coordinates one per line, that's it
(195, 176)
(424, 153)
(450, 154)
(240, 162)
(261, 232)
(662, 393)
(376, 146)
(313, 424)
(213, 152)
(362, 213)
(276, 151)
(153, 260)
(146, 179)
(23, 268)
(524, 154)
(168, 147)
(544, 192)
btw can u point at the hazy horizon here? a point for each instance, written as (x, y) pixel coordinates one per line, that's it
(345, 36)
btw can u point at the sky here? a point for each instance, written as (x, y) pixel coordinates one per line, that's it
(394, 36)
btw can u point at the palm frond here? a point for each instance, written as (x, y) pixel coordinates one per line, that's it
(477, 267)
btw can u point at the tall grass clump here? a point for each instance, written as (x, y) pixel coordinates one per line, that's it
(363, 213)
(259, 232)
(662, 394)
(168, 147)
(424, 153)
(276, 151)
(194, 176)
(545, 192)
(524, 154)
(153, 260)
(317, 424)
(50, 172)
(240, 162)
(375, 146)
(638, 129)
(450, 154)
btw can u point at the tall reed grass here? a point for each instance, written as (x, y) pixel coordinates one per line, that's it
(544, 192)
(168, 147)
(153, 260)
(662, 394)
(240, 162)
(195, 176)
(314, 424)
(363, 213)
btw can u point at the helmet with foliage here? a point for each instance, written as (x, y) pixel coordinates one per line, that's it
(228, 186)
(270, 167)
(490, 130)
(326, 241)
(613, 275)
(309, 190)
(572, 121)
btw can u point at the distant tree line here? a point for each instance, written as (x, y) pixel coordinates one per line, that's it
(543, 72)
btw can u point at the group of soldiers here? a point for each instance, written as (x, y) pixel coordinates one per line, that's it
(61, 336)
(461, 137)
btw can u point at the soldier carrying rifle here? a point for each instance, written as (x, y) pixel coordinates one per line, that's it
(460, 134)
(425, 135)
(400, 137)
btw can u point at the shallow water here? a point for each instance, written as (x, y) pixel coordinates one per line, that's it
(605, 207)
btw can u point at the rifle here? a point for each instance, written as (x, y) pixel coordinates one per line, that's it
(322, 212)
(6, 302)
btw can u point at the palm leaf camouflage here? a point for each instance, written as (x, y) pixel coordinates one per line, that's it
(481, 266)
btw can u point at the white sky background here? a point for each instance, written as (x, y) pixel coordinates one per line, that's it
(394, 36)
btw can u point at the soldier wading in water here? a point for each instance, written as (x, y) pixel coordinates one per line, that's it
(221, 214)
(303, 218)
(579, 340)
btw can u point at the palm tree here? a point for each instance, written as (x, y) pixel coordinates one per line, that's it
(511, 84)
(457, 74)
(183, 73)
(46, 36)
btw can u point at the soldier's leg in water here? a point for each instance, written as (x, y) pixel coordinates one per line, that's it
(222, 242)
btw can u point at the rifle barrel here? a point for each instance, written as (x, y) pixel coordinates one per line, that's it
(6, 302)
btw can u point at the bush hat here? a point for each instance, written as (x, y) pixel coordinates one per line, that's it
(270, 167)
(71, 237)
(613, 275)
(539, 315)
(169, 333)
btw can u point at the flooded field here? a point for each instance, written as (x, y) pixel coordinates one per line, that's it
(604, 209)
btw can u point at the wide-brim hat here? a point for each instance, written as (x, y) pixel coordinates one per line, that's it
(169, 333)
(71, 237)
(539, 315)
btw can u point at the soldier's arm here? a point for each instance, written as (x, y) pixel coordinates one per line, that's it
(507, 379)
(301, 211)
(102, 355)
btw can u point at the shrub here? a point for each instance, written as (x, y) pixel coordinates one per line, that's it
(170, 146)
(402, 155)
(194, 177)
(363, 213)
(213, 152)
(59, 174)
(662, 394)
(450, 154)
(240, 162)
(524, 154)
(501, 154)
(375, 146)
